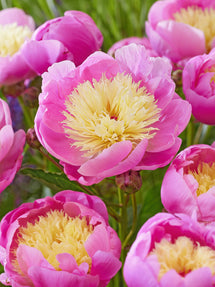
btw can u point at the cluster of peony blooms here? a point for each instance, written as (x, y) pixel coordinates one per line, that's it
(102, 115)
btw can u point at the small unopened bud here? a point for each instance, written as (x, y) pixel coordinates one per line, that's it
(30, 97)
(130, 181)
(32, 139)
(177, 77)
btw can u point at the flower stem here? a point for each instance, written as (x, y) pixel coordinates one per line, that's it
(189, 137)
(198, 134)
(134, 222)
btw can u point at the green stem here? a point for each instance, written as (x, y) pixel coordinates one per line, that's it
(198, 134)
(189, 138)
(134, 222)
(46, 155)
(27, 116)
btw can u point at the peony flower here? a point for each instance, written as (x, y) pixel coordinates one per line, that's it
(189, 183)
(76, 31)
(171, 251)
(181, 29)
(59, 241)
(21, 57)
(11, 147)
(139, 41)
(199, 87)
(108, 116)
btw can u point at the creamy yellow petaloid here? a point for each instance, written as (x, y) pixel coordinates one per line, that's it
(57, 233)
(107, 111)
(12, 37)
(183, 256)
(205, 176)
(202, 19)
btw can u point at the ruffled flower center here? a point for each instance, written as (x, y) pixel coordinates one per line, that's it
(107, 111)
(12, 37)
(57, 233)
(183, 256)
(204, 174)
(202, 19)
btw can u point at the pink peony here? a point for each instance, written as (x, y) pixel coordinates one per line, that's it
(21, 57)
(60, 241)
(11, 147)
(139, 41)
(181, 29)
(199, 87)
(189, 183)
(108, 116)
(76, 31)
(171, 251)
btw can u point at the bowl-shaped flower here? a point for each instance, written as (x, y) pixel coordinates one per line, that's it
(199, 87)
(181, 29)
(76, 31)
(108, 116)
(171, 251)
(189, 183)
(60, 241)
(11, 147)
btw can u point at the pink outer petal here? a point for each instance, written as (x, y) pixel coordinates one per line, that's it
(201, 277)
(153, 160)
(138, 273)
(105, 264)
(84, 39)
(107, 159)
(176, 40)
(206, 202)
(5, 118)
(12, 162)
(90, 201)
(6, 140)
(172, 276)
(12, 15)
(202, 108)
(128, 163)
(50, 52)
(15, 69)
(176, 196)
(43, 277)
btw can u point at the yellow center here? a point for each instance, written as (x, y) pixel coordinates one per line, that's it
(183, 256)
(202, 19)
(107, 111)
(57, 233)
(205, 176)
(12, 37)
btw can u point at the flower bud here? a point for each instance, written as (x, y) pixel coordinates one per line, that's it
(30, 97)
(31, 139)
(129, 180)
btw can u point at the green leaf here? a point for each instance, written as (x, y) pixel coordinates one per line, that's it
(55, 181)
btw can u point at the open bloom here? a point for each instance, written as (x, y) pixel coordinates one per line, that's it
(76, 31)
(139, 41)
(108, 116)
(171, 251)
(199, 86)
(181, 29)
(11, 147)
(189, 183)
(20, 56)
(60, 241)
